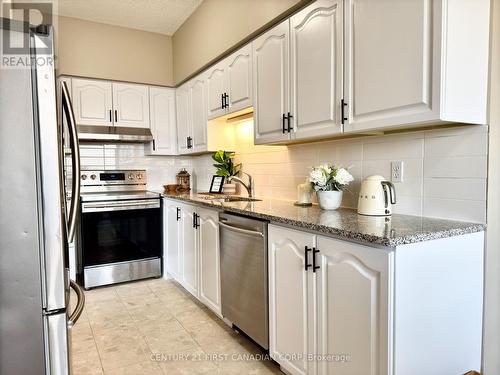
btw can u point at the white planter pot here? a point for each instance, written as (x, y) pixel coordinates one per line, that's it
(229, 188)
(329, 200)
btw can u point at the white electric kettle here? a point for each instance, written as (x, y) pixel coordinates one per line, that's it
(376, 197)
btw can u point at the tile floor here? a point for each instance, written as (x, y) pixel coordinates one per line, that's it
(156, 327)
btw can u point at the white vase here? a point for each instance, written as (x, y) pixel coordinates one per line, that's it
(329, 200)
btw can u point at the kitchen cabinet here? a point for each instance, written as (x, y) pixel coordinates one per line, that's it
(209, 255)
(356, 309)
(239, 79)
(290, 328)
(172, 251)
(183, 106)
(434, 69)
(271, 84)
(163, 125)
(229, 84)
(198, 115)
(353, 307)
(92, 102)
(216, 83)
(192, 248)
(131, 105)
(191, 117)
(316, 54)
(189, 249)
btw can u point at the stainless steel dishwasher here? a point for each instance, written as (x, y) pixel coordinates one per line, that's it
(244, 288)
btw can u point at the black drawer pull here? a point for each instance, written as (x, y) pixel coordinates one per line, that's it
(283, 123)
(289, 122)
(178, 214)
(306, 258)
(315, 267)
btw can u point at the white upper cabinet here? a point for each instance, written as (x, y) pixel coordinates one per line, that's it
(92, 102)
(216, 83)
(163, 124)
(316, 69)
(198, 141)
(183, 106)
(353, 307)
(239, 79)
(271, 84)
(415, 62)
(131, 105)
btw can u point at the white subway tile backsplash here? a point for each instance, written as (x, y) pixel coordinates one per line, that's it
(453, 188)
(444, 169)
(456, 209)
(456, 167)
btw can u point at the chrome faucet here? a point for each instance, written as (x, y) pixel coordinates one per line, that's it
(248, 187)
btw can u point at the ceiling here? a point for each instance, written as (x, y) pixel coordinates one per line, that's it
(158, 16)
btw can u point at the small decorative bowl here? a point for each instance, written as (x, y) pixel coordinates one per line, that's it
(171, 188)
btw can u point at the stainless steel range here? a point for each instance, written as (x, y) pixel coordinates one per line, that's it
(121, 228)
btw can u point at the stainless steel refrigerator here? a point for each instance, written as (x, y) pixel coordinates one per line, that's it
(35, 321)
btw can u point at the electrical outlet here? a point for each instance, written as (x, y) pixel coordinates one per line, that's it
(397, 171)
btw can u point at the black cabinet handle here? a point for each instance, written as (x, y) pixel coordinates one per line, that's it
(283, 123)
(197, 221)
(226, 100)
(289, 122)
(178, 214)
(110, 115)
(116, 115)
(343, 104)
(306, 262)
(154, 145)
(194, 220)
(189, 142)
(315, 267)
(222, 101)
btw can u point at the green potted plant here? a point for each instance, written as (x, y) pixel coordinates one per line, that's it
(226, 167)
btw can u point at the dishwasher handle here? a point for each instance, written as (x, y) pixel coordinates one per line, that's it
(241, 230)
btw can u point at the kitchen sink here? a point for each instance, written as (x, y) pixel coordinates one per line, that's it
(229, 198)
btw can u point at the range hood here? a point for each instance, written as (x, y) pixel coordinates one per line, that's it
(114, 134)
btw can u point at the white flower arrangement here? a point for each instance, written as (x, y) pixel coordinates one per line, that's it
(329, 178)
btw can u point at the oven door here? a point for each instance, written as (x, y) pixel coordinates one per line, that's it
(121, 241)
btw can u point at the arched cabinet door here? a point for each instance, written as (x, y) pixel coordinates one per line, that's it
(239, 76)
(92, 102)
(316, 69)
(131, 105)
(189, 250)
(271, 84)
(172, 220)
(198, 115)
(216, 87)
(353, 284)
(290, 307)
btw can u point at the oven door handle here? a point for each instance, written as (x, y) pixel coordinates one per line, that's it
(75, 160)
(113, 206)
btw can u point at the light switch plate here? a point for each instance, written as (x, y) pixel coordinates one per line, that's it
(397, 171)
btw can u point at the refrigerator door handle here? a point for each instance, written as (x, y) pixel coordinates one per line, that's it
(75, 160)
(75, 315)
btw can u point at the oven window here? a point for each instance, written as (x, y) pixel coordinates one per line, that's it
(119, 236)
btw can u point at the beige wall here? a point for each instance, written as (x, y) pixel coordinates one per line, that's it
(491, 354)
(216, 26)
(98, 50)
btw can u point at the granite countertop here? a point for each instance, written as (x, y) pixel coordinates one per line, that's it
(342, 223)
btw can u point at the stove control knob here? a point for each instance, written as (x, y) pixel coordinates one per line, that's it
(93, 176)
(139, 176)
(130, 176)
(84, 176)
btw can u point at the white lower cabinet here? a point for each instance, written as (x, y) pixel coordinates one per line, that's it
(337, 307)
(192, 250)
(171, 224)
(290, 304)
(189, 249)
(209, 252)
